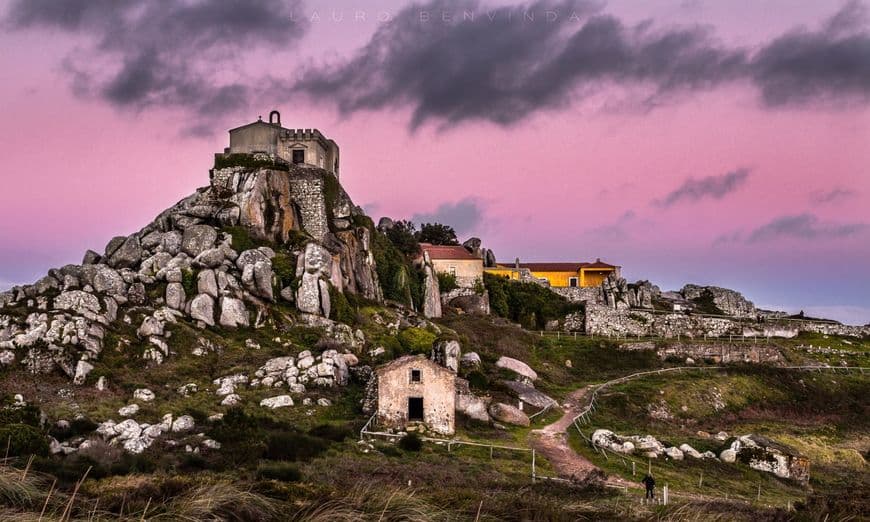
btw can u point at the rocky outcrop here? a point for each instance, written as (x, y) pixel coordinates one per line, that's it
(466, 300)
(529, 395)
(315, 270)
(728, 302)
(764, 454)
(431, 293)
(184, 261)
(469, 404)
(523, 371)
(508, 414)
(447, 353)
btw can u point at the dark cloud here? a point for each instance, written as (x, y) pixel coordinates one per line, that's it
(831, 65)
(172, 53)
(804, 226)
(463, 215)
(716, 187)
(500, 68)
(497, 68)
(831, 196)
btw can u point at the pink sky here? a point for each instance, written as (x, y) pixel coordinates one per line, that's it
(575, 183)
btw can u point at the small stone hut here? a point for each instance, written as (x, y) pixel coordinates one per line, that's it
(413, 389)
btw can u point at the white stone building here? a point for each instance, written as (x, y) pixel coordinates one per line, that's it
(413, 389)
(297, 146)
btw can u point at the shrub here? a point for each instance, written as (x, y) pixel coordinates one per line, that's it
(447, 282)
(78, 427)
(416, 340)
(11, 414)
(188, 281)
(242, 239)
(292, 445)
(23, 439)
(283, 471)
(529, 304)
(284, 266)
(333, 432)
(341, 309)
(248, 161)
(477, 380)
(411, 442)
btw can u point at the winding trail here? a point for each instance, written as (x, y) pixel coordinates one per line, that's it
(551, 441)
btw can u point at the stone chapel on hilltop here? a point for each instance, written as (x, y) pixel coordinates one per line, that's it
(298, 146)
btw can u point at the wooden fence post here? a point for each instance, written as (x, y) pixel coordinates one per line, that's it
(533, 465)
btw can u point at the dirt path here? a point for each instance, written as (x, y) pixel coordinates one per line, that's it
(551, 441)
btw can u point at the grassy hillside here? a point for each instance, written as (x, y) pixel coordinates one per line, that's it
(305, 463)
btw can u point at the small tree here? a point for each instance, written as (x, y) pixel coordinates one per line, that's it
(447, 282)
(437, 234)
(403, 236)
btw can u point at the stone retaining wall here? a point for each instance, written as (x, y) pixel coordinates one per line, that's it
(719, 353)
(603, 320)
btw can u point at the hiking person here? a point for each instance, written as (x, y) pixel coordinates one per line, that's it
(650, 484)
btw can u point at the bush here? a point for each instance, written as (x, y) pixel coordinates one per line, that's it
(78, 427)
(447, 282)
(283, 471)
(416, 340)
(23, 440)
(242, 239)
(477, 380)
(333, 432)
(188, 281)
(11, 414)
(284, 266)
(293, 446)
(248, 161)
(340, 310)
(411, 442)
(529, 304)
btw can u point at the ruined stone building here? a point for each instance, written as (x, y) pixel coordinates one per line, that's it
(297, 146)
(413, 389)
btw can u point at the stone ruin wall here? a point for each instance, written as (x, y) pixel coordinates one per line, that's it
(308, 195)
(606, 321)
(719, 353)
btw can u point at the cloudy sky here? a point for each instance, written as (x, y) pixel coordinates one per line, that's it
(698, 141)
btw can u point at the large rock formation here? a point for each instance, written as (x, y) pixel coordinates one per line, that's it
(188, 263)
(728, 302)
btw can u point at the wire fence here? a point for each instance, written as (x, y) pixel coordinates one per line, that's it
(731, 339)
(450, 443)
(583, 417)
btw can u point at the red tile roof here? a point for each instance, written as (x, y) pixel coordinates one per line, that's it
(552, 267)
(561, 267)
(447, 251)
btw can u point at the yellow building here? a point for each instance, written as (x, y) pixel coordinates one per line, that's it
(558, 275)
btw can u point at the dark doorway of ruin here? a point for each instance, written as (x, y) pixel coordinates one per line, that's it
(415, 408)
